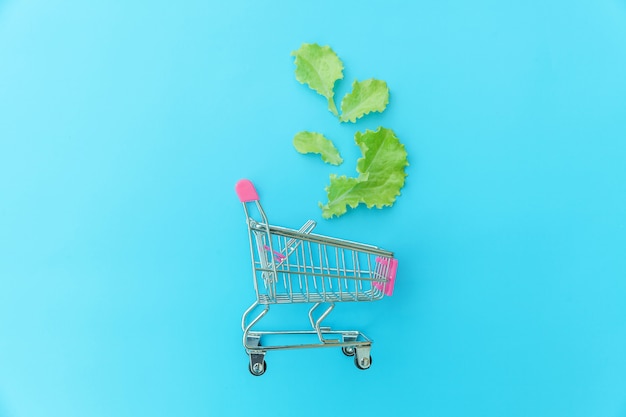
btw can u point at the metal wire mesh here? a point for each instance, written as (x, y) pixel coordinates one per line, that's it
(292, 267)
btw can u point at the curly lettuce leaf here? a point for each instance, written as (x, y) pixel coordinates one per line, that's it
(381, 175)
(312, 142)
(366, 96)
(319, 67)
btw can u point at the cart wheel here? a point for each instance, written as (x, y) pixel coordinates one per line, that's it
(348, 350)
(258, 368)
(365, 363)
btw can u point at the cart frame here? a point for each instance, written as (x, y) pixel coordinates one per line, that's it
(296, 266)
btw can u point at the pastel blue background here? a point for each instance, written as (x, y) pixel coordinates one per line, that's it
(124, 266)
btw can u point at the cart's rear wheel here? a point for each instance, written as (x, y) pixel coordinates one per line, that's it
(364, 363)
(348, 350)
(258, 368)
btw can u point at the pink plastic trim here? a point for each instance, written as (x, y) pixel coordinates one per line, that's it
(279, 256)
(246, 192)
(391, 265)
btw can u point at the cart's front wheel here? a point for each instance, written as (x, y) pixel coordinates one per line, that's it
(258, 368)
(363, 363)
(348, 350)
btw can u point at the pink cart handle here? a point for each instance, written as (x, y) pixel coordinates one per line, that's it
(246, 192)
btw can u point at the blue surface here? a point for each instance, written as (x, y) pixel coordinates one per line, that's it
(124, 266)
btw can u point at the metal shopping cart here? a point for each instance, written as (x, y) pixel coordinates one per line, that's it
(296, 266)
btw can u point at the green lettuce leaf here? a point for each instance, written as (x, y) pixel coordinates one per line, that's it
(366, 96)
(311, 142)
(319, 67)
(381, 175)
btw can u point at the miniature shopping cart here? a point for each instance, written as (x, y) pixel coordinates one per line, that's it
(296, 266)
